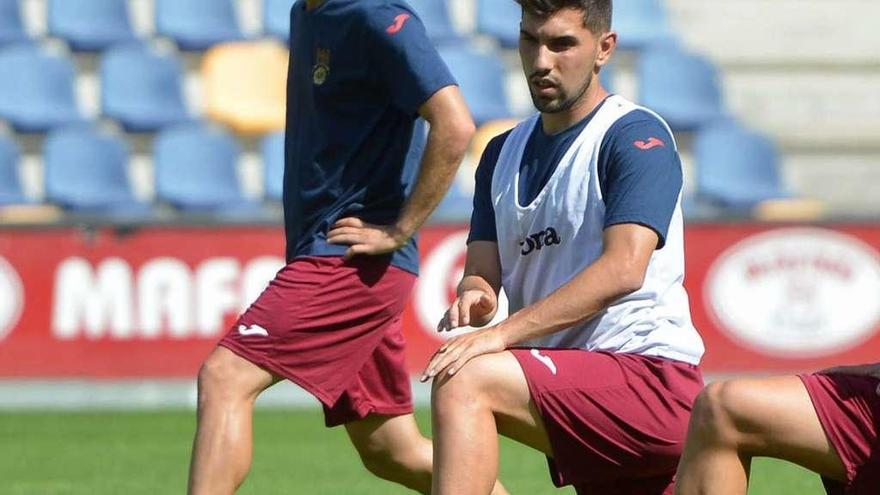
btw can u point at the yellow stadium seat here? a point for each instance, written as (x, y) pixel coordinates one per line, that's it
(486, 132)
(245, 85)
(791, 210)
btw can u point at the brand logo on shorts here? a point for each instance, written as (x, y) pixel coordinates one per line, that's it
(534, 242)
(545, 360)
(253, 330)
(801, 292)
(11, 298)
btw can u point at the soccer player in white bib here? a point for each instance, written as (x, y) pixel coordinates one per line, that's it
(577, 216)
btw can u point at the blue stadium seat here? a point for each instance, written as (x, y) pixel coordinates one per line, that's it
(36, 89)
(607, 76)
(272, 150)
(500, 19)
(10, 183)
(640, 23)
(680, 86)
(11, 26)
(90, 25)
(142, 88)
(437, 20)
(276, 18)
(87, 171)
(457, 205)
(736, 167)
(481, 78)
(195, 170)
(197, 24)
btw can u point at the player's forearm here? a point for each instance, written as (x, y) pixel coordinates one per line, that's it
(590, 292)
(447, 143)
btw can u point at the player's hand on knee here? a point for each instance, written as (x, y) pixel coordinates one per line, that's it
(474, 307)
(456, 352)
(366, 238)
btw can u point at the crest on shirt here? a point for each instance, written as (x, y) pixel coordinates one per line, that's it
(322, 66)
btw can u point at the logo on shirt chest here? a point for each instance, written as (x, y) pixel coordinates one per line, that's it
(322, 66)
(534, 242)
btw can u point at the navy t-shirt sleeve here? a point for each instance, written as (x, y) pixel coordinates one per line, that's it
(483, 216)
(640, 174)
(403, 56)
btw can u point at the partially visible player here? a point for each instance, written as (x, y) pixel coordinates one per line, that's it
(828, 422)
(577, 216)
(361, 72)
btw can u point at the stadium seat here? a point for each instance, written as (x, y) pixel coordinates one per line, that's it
(736, 167)
(36, 89)
(437, 20)
(141, 88)
(86, 170)
(457, 205)
(11, 26)
(276, 18)
(10, 183)
(272, 150)
(640, 23)
(196, 171)
(680, 86)
(500, 19)
(485, 133)
(607, 76)
(197, 24)
(481, 78)
(90, 25)
(245, 86)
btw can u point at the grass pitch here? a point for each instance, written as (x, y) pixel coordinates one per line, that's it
(148, 453)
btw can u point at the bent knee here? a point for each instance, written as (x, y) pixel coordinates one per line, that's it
(719, 411)
(390, 463)
(226, 376)
(469, 387)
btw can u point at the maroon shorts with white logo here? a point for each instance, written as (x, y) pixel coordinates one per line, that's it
(617, 422)
(334, 328)
(849, 411)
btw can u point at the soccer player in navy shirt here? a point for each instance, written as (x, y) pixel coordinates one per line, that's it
(577, 217)
(355, 192)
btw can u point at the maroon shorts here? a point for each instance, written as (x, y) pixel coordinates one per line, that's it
(849, 411)
(333, 328)
(616, 422)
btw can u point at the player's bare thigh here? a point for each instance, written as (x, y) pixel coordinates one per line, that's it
(775, 417)
(501, 383)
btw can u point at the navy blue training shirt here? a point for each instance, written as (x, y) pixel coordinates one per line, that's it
(640, 180)
(359, 71)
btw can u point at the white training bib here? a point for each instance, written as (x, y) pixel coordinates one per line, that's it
(545, 244)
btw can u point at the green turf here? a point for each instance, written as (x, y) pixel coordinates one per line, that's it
(148, 453)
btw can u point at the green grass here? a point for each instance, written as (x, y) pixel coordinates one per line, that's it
(148, 453)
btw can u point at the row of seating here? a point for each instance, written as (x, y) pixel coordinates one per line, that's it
(142, 87)
(93, 25)
(244, 86)
(86, 170)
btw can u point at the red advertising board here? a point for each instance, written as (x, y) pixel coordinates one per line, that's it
(152, 302)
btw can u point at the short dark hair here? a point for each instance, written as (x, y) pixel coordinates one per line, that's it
(597, 13)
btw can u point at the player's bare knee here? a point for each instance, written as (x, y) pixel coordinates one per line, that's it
(385, 461)
(218, 380)
(714, 416)
(466, 390)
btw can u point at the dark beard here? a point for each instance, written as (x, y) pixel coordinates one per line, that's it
(563, 103)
